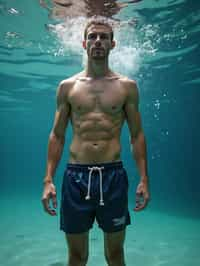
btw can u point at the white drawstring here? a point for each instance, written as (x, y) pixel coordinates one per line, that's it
(89, 183)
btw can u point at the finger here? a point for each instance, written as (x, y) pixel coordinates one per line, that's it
(139, 207)
(54, 200)
(52, 212)
(139, 193)
(138, 196)
(45, 202)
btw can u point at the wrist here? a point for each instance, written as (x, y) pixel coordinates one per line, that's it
(47, 180)
(144, 179)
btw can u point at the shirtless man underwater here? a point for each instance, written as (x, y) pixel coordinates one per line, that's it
(97, 102)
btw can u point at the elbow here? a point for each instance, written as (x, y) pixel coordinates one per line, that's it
(55, 137)
(137, 136)
(141, 137)
(139, 146)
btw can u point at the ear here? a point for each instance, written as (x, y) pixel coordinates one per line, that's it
(113, 44)
(84, 44)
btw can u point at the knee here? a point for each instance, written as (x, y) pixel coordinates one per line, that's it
(77, 259)
(115, 257)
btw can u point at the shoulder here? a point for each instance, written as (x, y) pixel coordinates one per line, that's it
(66, 85)
(130, 84)
(131, 88)
(69, 82)
(127, 82)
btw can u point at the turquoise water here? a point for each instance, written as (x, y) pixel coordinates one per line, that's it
(158, 46)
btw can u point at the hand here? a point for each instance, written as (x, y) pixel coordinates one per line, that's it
(49, 193)
(142, 196)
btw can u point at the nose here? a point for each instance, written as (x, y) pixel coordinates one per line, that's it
(98, 41)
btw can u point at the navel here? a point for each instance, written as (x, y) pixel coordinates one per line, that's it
(95, 144)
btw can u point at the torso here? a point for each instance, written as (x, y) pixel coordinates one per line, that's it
(97, 116)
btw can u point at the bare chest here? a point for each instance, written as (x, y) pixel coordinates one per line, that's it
(107, 97)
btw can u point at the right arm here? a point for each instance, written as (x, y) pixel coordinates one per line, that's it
(57, 135)
(55, 146)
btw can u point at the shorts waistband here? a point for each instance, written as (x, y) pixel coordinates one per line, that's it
(95, 167)
(106, 165)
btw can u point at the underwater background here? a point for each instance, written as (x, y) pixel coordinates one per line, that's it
(158, 46)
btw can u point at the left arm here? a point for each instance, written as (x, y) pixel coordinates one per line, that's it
(138, 142)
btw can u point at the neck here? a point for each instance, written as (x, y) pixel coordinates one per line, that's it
(97, 68)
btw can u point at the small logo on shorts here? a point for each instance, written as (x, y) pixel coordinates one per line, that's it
(119, 221)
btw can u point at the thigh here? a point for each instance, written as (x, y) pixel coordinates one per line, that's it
(114, 242)
(78, 244)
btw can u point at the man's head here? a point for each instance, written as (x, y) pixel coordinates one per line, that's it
(98, 38)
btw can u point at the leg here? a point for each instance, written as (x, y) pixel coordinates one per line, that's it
(77, 249)
(113, 248)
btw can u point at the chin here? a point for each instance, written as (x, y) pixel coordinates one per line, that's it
(98, 57)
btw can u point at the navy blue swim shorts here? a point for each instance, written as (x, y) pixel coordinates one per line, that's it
(94, 191)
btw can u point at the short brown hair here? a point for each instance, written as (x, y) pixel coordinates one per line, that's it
(98, 21)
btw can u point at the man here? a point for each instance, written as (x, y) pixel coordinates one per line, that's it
(97, 101)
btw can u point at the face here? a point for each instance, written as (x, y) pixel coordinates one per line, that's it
(98, 42)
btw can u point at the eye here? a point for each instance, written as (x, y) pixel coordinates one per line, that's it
(104, 36)
(92, 36)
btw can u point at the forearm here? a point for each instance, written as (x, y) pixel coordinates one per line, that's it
(139, 151)
(55, 149)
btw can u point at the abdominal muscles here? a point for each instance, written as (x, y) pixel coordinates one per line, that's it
(96, 139)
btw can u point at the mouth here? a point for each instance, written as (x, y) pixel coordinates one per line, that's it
(97, 49)
(98, 52)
